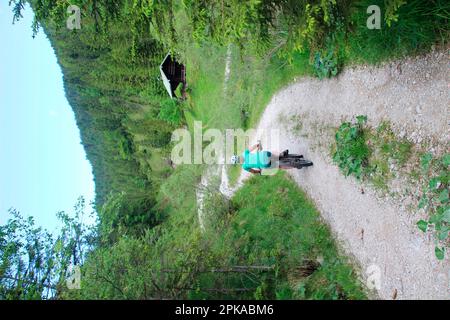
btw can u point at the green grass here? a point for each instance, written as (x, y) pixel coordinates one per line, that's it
(269, 222)
(264, 78)
(206, 71)
(252, 83)
(386, 147)
(273, 223)
(177, 193)
(420, 25)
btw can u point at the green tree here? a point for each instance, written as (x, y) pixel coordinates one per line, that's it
(33, 262)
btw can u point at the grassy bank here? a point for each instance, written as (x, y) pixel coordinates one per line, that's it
(268, 242)
(273, 223)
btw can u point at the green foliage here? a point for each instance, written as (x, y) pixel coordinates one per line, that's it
(26, 259)
(230, 21)
(370, 153)
(263, 27)
(33, 262)
(149, 245)
(365, 152)
(162, 264)
(249, 250)
(391, 8)
(288, 27)
(330, 55)
(352, 152)
(113, 86)
(409, 28)
(171, 112)
(325, 66)
(435, 200)
(270, 223)
(126, 215)
(388, 153)
(310, 23)
(111, 81)
(275, 223)
(122, 142)
(216, 207)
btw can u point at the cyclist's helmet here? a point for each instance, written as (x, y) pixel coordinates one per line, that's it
(235, 159)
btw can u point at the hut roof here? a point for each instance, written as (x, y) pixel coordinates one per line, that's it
(166, 80)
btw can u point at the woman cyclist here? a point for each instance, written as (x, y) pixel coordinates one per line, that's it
(254, 160)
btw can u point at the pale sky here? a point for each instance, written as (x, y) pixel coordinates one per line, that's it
(43, 166)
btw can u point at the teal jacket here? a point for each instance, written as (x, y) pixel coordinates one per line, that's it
(256, 160)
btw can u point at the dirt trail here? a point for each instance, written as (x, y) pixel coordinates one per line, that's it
(379, 233)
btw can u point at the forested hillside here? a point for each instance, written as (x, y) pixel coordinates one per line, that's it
(266, 242)
(114, 86)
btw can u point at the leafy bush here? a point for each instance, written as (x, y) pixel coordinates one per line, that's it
(231, 21)
(34, 263)
(158, 265)
(352, 151)
(308, 25)
(331, 54)
(215, 208)
(126, 214)
(171, 112)
(365, 152)
(325, 65)
(435, 199)
(122, 141)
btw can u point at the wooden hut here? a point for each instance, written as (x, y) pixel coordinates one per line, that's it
(173, 74)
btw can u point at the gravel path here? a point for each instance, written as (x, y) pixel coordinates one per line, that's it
(380, 235)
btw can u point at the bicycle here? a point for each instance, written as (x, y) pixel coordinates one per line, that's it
(288, 161)
(294, 161)
(283, 160)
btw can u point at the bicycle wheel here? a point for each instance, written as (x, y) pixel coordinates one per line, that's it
(306, 163)
(286, 163)
(295, 156)
(295, 163)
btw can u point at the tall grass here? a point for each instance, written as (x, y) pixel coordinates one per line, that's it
(420, 25)
(273, 223)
